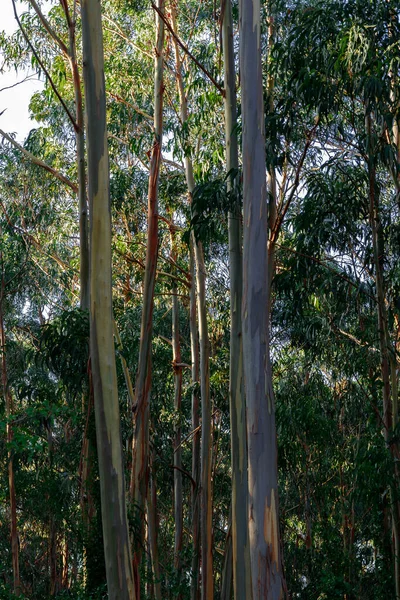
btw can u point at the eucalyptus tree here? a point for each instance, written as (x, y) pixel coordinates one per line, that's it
(207, 582)
(8, 401)
(356, 56)
(112, 481)
(140, 457)
(241, 557)
(263, 524)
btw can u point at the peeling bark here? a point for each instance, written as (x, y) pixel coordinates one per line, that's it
(266, 568)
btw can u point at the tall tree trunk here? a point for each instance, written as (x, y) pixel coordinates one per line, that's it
(112, 485)
(53, 557)
(195, 496)
(177, 367)
(383, 334)
(152, 532)
(207, 581)
(266, 567)
(140, 444)
(228, 565)
(81, 168)
(8, 413)
(239, 533)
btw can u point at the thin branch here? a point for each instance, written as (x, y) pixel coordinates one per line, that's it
(132, 106)
(185, 49)
(188, 475)
(35, 54)
(49, 28)
(9, 87)
(70, 23)
(40, 163)
(281, 216)
(125, 37)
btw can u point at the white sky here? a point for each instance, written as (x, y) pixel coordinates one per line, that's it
(15, 101)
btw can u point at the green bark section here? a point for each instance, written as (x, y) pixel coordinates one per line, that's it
(115, 527)
(267, 581)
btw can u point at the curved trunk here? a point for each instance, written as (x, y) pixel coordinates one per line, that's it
(264, 539)
(115, 526)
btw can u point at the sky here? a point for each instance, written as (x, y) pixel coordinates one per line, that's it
(15, 101)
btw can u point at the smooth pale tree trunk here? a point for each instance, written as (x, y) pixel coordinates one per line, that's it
(177, 367)
(90, 508)
(140, 444)
(195, 496)
(8, 413)
(207, 579)
(239, 533)
(108, 432)
(264, 538)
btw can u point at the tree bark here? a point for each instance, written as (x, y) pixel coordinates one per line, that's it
(140, 444)
(195, 496)
(239, 533)
(266, 567)
(8, 413)
(176, 362)
(384, 340)
(112, 485)
(152, 532)
(207, 581)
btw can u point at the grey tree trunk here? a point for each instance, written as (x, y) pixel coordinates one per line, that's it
(239, 533)
(195, 497)
(112, 484)
(177, 367)
(207, 580)
(263, 523)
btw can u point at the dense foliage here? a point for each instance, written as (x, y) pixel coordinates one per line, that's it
(332, 112)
